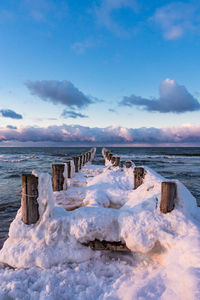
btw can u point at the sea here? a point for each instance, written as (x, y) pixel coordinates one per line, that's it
(182, 163)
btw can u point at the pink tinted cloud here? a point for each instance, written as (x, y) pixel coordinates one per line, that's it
(75, 134)
(177, 18)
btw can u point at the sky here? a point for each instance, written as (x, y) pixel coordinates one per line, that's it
(99, 72)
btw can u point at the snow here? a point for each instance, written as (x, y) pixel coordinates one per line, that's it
(65, 175)
(51, 261)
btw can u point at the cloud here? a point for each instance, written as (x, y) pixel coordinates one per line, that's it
(76, 134)
(11, 127)
(72, 114)
(8, 113)
(173, 98)
(59, 92)
(81, 47)
(45, 10)
(105, 10)
(178, 18)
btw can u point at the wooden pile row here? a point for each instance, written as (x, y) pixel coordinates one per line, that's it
(168, 188)
(30, 214)
(79, 161)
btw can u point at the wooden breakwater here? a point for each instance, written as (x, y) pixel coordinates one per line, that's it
(168, 188)
(30, 212)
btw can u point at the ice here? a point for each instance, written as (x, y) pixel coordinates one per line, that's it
(51, 260)
(46, 197)
(65, 175)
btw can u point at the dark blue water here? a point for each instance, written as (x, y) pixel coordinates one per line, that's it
(177, 163)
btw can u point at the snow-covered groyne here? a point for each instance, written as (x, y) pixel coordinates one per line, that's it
(110, 208)
(99, 207)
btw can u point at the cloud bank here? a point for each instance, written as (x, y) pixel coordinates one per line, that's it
(72, 114)
(173, 98)
(8, 113)
(59, 92)
(75, 134)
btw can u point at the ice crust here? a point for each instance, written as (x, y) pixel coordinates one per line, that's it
(53, 263)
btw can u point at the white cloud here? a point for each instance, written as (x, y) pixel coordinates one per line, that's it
(173, 98)
(43, 10)
(178, 18)
(81, 47)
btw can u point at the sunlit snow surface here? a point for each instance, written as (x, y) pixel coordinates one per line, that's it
(51, 263)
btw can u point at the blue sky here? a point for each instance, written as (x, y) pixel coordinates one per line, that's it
(107, 71)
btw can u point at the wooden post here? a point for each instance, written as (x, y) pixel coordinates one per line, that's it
(80, 161)
(106, 154)
(139, 174)
(117, 160)
(75, 159)
(121, 164)
(83, 160)
(113, 160)
(168, 195)
(86, 156)
(128, 163)
(58, 177)
(110, 156)
(30, 213)
(89, 155)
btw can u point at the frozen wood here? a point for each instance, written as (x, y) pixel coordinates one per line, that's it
(121, 164)
(30, 213)
(106, 245)
(128, 164)
(110, 156)
(76, 160)
(168, 195)
(58, 177)
(117, 161)
(113, 160)
(139, 174)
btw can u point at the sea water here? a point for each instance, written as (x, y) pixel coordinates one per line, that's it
(173, 163)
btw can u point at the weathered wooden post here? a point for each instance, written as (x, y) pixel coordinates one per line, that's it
(75, 160)
(30, 213)
(121, 164)
(79, 161)
(83, 160)
(117, 160)
(89, 155)
(139, 174)
(106, 154)
(113, 160)
(128, 164)
(110, 156)
(58, 177)
(168, 195)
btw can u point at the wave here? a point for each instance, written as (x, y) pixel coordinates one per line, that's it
(13, 176)
(155, 156)
(60, 154)
(16, 159)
